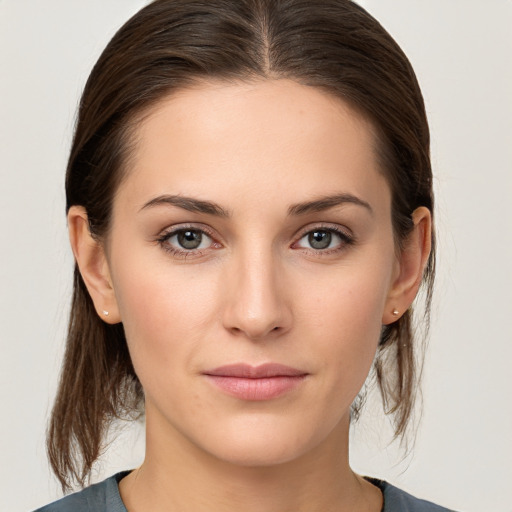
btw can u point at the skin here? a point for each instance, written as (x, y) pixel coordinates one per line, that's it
(256, 291)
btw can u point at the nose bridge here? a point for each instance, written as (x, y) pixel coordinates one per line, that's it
(256, 303)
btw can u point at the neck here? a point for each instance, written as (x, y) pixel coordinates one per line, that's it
(177, 475)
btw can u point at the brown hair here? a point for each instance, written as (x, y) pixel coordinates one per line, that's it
(331, 44)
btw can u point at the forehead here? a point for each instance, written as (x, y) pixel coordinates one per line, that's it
(272, 138)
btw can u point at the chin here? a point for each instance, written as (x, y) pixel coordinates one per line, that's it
(258, 454)
(264, 442)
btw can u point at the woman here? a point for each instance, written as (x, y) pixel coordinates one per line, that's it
(249, 198)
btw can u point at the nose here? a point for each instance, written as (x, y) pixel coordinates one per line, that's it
(256, 303)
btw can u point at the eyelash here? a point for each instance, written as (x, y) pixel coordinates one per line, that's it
(346, 240)
(163, 241)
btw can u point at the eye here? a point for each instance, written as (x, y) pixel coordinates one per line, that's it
(186, 241)
(320, 239)
(324, 239)
(189, 239)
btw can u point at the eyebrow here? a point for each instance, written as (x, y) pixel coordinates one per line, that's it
(327, 202)
(188, 203)
(209, 207)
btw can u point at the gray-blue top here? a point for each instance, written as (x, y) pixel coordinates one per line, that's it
(105, 497)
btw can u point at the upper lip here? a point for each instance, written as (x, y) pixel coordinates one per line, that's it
(247, 371)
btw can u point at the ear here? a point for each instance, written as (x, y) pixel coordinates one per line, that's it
(92, 262)
(410, 266)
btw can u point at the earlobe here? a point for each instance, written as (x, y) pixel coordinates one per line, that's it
(92, 262)
(410, 266)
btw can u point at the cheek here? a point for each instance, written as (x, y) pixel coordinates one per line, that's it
(348, 301)
(164, 313)
(346, 323)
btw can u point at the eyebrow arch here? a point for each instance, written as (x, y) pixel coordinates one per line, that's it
(188, 203)
(326, 202)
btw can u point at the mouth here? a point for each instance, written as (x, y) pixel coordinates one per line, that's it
(256, 383)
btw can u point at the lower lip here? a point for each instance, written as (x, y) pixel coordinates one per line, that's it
(264, 388)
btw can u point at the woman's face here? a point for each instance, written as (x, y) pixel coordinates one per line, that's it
(253, 228)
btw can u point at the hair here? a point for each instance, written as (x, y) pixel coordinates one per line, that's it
(334, 45)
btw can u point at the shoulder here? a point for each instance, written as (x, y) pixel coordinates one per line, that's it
(396, 500)
(101, 497)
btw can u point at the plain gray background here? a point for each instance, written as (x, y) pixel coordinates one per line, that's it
(462, 53)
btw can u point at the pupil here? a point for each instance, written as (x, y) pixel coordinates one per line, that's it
(320, 239)
(190, 239)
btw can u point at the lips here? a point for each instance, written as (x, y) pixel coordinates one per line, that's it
(256, 383)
